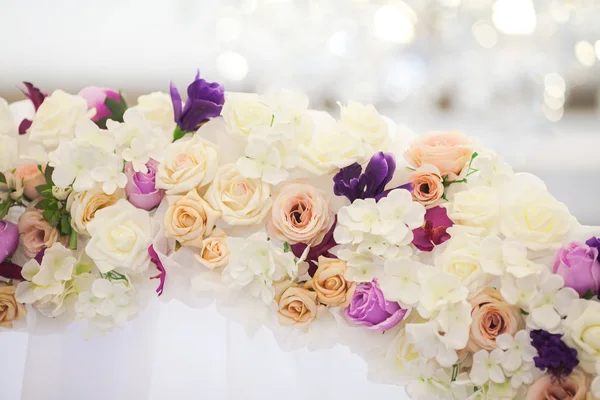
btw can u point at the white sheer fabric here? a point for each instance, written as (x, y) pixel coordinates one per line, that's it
(175, 352)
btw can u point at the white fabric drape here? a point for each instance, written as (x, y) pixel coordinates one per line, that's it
(174, 352)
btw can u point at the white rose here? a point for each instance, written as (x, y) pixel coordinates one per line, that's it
(7, 122)
(242, 201)
(56, 118)
(460, 256)
(9, 152)
(157, 108)
(244, 111)
(533, 216)
(477, 208)
(84, 205)
(331, 147)
(367, 123)
(583, 331)
(189, 163)
(121, 235)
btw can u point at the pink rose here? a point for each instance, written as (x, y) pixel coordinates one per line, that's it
(448, 151)
(36, 233)
(96, 98)
(32, 178)
(577, 264)
(300, 214)
(547, 387)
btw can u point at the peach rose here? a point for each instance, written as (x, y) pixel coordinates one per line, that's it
(329, 283)
(31, 177)
(36, 233)
(84, 206)
(492, 316)
(189, 218)
(300, 214)
(547, 387)
(214, 252)
(10, 309)
(297, 306)
(428, 185)
(448, 151)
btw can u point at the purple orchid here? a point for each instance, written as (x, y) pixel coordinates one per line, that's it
(353, 183)
(595, 243)
(162, 275)
(37, 98)
(433, 232)
(321, 249)
(205, 100)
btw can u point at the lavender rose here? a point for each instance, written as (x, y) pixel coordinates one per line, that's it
(369, 307)
(9, 239)
(578, 265)
(141, 187)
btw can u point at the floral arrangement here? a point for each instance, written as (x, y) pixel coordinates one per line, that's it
(427, 255)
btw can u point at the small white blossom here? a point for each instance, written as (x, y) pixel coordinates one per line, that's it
(439, 290)
(428, 340)
(519, 292)
(550, 303)
(486, 367)
(110, 175)
(509, 256)
(524, 375)
(517, 349)
(264, 160)
(401, 281)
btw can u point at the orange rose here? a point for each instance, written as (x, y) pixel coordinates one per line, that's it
(428, 185)
(32, 177)
(329, 283)
(448, 151)
(546, 387)
(492, 316)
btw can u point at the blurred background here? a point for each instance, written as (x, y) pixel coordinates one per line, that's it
(524, 75)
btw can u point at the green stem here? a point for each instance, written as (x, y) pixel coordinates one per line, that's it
(178, 133)
(73, 239)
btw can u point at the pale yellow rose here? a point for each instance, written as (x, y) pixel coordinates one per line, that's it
(296, 305)
(448, 151)
(189, 218)
(428, 185)
(35, 233)
(10, 309)
(492, 316)
(329, 283)
(300, 214)
(547, 387)
(214, 252)
(157, 109)
(84, 206)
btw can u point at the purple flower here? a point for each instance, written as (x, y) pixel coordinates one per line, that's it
(578, 265)
(9, 239)
(553, 354)
(141, 187)
(595, 243)
(369, 307)
(37, 98)
(205, 100)
(321, 249)
(433, 232)
(10, 270)
(352, 183)
(162, 275)
(107, 102)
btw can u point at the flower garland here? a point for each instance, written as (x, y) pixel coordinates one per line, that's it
(448, 272)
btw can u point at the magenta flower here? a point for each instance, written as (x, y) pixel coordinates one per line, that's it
(141, 187)
(109, 104)
(578, 265)
(433, 232)
(321, 249)
(162, 275)
(368, 307)
(9, 239)
(37, 98)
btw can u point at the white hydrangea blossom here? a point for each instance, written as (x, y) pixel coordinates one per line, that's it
(500, 257)
(487, 367)
(517, 349)
(550, 303)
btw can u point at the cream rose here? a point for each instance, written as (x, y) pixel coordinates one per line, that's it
(157, 109)
(243, 112)
(189, 218)
(491, 316)
(461, 257)
(242, 201)
(367, 123)
(121, 235)
(85, 205)
(189, 163)
(214, 252)
(10, 309)
(583, 332)
(477, 208)
(296, 305)
(448, 151)
(428, 185)
(533, 216)
(547, 387)
(56, 118)
(36, 233)
(329, 284)
(300, 214)
(32, 177)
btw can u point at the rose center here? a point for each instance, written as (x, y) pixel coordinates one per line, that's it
(425, 188)
(300, 214)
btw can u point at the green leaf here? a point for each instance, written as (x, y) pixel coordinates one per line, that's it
(2, 178)
(48, 175)
(454, 372)
(116, 108)
(475, 388)
(52, 217)
(272, 119)
(523, 312)
(73, 240)
(65, 224)
(178, 133)
(286, 247)
(588, 295)
(83, 268)
(47, 204)
(4, 208)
